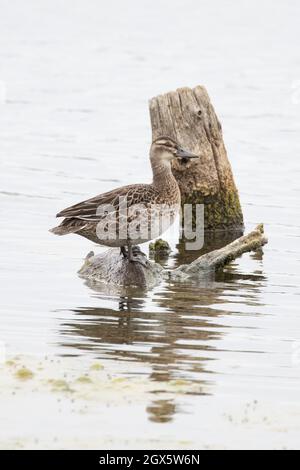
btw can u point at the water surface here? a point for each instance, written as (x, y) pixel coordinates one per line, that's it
(74, 123)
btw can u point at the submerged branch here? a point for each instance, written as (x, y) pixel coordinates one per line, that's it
(218, 258)
(111, 268)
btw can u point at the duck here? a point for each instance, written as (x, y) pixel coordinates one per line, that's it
(121, 217)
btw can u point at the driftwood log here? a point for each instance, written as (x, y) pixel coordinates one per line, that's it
(111, 268)
(188, 116)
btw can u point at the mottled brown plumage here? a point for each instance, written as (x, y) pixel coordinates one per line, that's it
(86, 217)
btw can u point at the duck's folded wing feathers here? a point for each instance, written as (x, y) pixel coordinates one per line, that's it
(89, 209)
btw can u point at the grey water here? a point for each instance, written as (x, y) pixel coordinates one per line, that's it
(75, 79)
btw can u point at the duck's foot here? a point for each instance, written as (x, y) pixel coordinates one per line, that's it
(136, 251)
(135, 255)
(139, 257)
(124, 252)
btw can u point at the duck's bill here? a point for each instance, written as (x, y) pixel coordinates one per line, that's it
(181, 153)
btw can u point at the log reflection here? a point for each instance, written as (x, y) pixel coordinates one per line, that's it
(170, 333)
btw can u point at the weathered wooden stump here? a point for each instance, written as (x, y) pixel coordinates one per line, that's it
(188, 116)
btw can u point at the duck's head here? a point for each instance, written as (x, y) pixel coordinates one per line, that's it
(166, 149)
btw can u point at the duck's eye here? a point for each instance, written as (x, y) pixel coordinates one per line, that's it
(169, 146)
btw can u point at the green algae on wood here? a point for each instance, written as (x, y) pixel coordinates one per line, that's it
(222, 211)
(160, 247)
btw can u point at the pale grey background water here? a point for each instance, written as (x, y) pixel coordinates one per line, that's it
(75, 80)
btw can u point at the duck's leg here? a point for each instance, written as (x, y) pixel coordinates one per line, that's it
(132, 252)
(123, 251)
(136, 251)
(135, 255)
(129, 253)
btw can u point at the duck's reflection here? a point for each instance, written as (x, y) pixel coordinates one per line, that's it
(172, 330)
(161, 411)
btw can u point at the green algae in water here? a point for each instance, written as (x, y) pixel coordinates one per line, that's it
(10, 363)
(97, 366)
(24, 374)
(179, 382)
(60, 385)
(84, 379)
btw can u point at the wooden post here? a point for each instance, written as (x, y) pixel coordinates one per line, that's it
(188, 116)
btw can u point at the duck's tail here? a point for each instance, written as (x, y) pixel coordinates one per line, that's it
(58, 230)
(68, 226)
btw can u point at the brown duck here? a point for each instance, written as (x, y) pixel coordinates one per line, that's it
(120, 217)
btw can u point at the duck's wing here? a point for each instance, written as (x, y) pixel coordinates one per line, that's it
(89, 210)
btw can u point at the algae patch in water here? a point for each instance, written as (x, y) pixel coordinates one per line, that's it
(24, 374)
(180, 382)
(84, 379)
(59, 385)
(97, 366)
(119, 380)
(10, 363)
